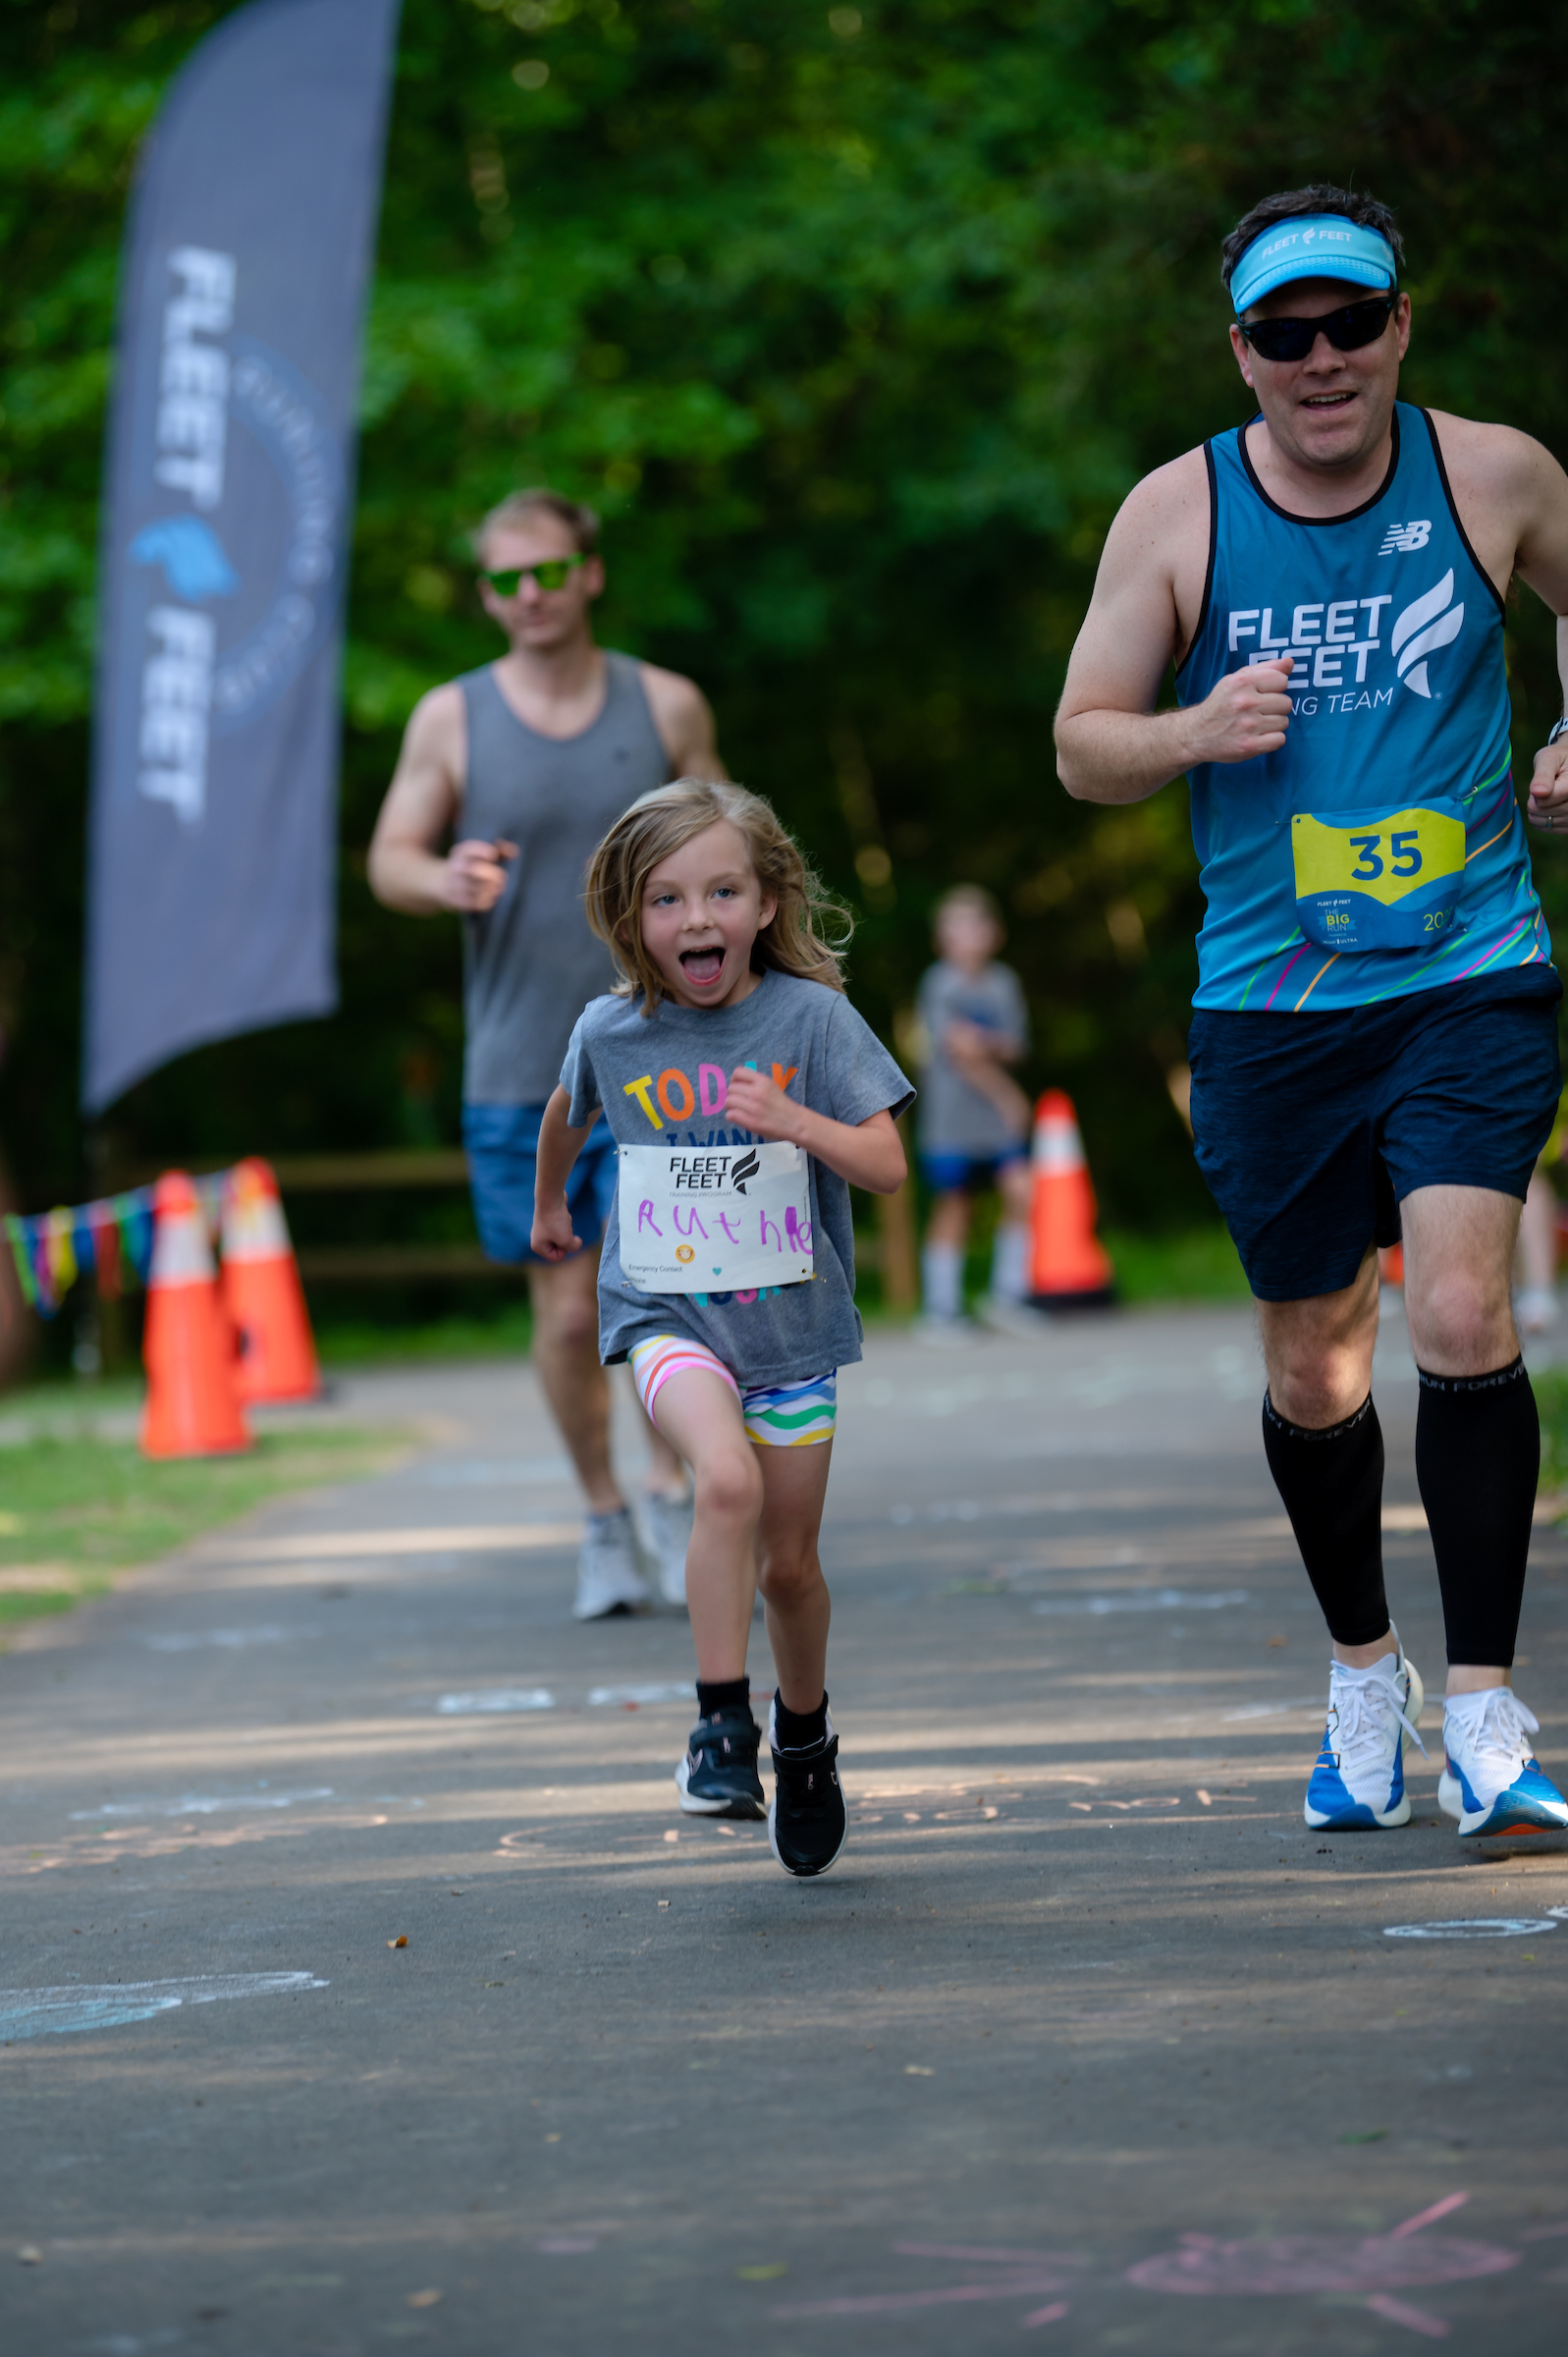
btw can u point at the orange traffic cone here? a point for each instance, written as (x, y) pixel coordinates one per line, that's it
(193, 1408)
(1391, 1264)
(261, 1290)
(1070, 1266)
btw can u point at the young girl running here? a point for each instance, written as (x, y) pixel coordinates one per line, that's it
(745, 1095)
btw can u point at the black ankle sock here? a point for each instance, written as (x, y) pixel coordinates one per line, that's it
(1477, 1459)
(725, 1695)
(798, 1732)
(1331, 1485)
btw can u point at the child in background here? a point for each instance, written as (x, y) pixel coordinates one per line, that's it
(974, 1118)
(744, 1094)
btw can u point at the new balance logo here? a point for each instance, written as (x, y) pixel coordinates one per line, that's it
(1405, 537)
(1422, 628)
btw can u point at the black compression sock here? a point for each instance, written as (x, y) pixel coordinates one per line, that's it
(1477, 1459)
(724, 1694)
(1331, 1485)
(796, 1730)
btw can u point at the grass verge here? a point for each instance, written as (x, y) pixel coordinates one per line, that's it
(1550, 1386)
(75, 1512)
(1198, 1264)
(362, 1343)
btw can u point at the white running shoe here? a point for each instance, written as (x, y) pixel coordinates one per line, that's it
(666, 1533)
(609, 1579)
(1490, 1780)
(1359, 1779)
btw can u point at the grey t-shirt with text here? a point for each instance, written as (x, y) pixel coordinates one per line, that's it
(954, 1118)
(643, 1070)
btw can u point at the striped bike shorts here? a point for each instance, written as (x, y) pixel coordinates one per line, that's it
(776, 1415)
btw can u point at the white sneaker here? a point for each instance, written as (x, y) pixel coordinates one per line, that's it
(607, 1577)
(1359, 1779)
(666, 1533)
(1491, 1780)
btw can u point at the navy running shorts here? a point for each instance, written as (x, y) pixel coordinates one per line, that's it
(503, 1147)
(1310, 1129)
(946, 1174)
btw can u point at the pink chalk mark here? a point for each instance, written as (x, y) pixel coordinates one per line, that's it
(1047, 2315)
(1288, 2264)
(1544, 2233)
(889, 2303)
(1414, 2319)
(1429, 2218)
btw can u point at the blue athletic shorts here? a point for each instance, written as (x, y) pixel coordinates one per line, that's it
(945, 1173)
(503, 1145)
(1310, 1129)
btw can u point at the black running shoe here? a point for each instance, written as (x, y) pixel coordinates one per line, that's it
(718, 1778)
(808, 1823)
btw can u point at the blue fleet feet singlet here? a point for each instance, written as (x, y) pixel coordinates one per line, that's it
(1381, 850)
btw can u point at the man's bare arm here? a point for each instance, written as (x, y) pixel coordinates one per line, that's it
(684, 718)
(1111, 745)
(1513, 498)
(424, 799)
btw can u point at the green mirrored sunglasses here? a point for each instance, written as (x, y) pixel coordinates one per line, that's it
(553, 574)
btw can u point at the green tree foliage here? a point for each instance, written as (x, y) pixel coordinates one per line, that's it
(858, 322)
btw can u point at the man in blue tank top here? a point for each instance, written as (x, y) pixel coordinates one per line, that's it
(525, 764)
(1374, 1040)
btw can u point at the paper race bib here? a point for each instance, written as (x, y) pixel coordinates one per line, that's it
(714, 1218)
(1378, 879)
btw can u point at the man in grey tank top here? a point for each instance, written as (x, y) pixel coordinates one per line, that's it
(525, 764)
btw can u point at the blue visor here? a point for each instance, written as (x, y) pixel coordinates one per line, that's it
(1315, 246)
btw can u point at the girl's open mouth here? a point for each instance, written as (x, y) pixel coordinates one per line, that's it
(702, 966)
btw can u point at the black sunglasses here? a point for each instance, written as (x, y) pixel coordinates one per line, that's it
(553, 573)
(1347, 330)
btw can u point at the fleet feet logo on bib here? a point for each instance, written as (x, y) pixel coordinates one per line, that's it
(1422, 628)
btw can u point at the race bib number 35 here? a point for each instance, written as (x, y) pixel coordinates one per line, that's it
(714, 1218)
(1378, 879)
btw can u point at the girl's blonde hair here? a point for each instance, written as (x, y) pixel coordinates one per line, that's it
(661, 822)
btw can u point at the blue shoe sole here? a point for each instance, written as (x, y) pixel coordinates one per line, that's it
(1508, 1813)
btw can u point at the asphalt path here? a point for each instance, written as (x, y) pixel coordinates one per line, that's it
(1087, 2041)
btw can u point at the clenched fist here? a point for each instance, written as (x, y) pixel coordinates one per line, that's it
(473, 876)
(1247, 714)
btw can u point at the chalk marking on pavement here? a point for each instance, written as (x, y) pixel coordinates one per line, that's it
(1472, 1927)
(495, 1698)
(464, 1538)
(1020, 2274)
(1151, 1600)
(265, 1632)
(487, 1699)
(53, 2012)
(604, 1697)
(1414, 2319)
(201, 1804)
(1287, 2263)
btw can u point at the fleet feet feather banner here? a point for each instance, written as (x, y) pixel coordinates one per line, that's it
(227, 507)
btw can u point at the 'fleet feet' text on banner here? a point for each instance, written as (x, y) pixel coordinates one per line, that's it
(226, 509)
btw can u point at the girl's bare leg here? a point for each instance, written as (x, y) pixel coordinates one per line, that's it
(794, 1594)
(699, 1415)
